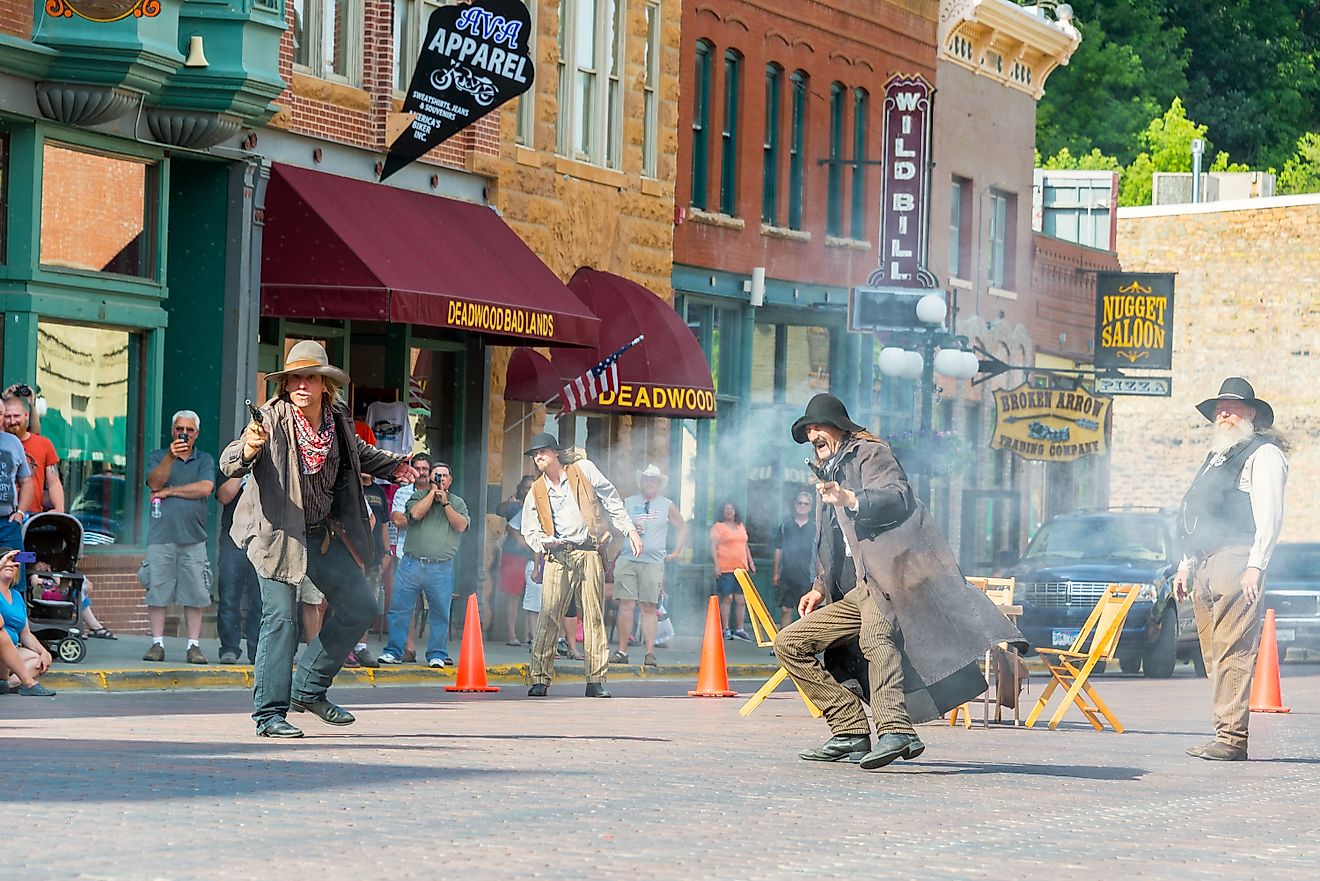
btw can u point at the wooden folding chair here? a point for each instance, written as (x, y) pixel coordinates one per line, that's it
(1000, 592)
(765, 631)
(1100, 632)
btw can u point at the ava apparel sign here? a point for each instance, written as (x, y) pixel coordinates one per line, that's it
(1134, 319)
(474, 58)
(1050, 425)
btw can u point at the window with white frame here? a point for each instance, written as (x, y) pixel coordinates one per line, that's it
(1003, 207)
(410, 18)
(591, 52)
(327, 39)
(650, 84)
(524, 110)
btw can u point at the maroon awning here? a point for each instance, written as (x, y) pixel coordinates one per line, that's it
(665, 375)
(335, 247)
(530, 377)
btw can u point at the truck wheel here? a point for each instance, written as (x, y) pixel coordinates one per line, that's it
(1163, 654)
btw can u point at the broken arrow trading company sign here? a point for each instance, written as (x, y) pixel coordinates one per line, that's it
(474, 58)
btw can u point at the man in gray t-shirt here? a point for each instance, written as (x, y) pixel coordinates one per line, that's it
(16, 490)
(181, 479)
(639, 578)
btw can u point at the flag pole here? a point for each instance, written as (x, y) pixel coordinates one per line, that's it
(546, 405)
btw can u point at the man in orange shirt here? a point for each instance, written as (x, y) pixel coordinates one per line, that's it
(42, 459)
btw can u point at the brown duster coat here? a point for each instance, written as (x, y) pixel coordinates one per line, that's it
(269, 522)
(900, 555)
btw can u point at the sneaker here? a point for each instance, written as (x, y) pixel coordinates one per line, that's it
(741, 634)
(366, 658)
(728, 634)
(561, 647)
(36, 689)
(155, 653)
(350, 660)
(387, 658)
(618, 658)
(449, 662)
(436, 663)
(229, 657)
(649, 661)
(194, 655)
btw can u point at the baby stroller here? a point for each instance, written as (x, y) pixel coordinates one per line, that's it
(54, 598)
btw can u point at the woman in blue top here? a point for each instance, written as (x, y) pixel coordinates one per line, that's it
(22, 656)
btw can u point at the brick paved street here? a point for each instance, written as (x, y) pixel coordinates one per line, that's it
(653, 784)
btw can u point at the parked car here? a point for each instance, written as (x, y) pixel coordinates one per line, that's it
(1292, 590)
(1075, 556)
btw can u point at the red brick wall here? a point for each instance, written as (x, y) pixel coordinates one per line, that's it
(117, 598)
(358, 115)
(1063, 294)
(16, 18)
(859, 43)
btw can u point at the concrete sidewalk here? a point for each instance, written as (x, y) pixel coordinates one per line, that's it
(117, 665)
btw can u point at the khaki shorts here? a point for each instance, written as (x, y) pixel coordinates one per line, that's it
(177, 575)
(308, 593)
(638, 581)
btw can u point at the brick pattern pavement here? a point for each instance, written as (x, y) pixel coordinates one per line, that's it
(652, 785)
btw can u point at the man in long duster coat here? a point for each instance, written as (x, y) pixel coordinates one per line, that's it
(895, 589)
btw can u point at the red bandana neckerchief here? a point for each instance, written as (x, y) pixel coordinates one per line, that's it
(313, 446)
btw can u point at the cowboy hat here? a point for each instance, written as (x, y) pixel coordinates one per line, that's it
(823, 409)
(309, 357)
(1235, 388)
(651, 471)
(543, 441)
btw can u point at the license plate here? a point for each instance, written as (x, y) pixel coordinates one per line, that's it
(1065, 638)
(1286, 635)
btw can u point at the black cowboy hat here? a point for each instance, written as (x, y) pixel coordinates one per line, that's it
(543, 441)
(823, 409)
(1235, 388)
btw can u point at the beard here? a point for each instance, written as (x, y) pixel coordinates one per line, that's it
(1226, 436)
(16, 430)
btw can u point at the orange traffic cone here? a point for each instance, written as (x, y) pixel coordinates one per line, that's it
(1265, 694)
(712, 676)
(472, 656)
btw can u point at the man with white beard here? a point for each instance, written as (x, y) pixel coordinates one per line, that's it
(1229, 523)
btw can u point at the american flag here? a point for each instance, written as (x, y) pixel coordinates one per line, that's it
(596, 381)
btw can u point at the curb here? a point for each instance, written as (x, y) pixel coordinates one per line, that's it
(240, 676)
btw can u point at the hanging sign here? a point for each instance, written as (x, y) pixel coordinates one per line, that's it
(1049, 425)
(1134, 319)
(474, 58)
(102, 11)
(905, 190)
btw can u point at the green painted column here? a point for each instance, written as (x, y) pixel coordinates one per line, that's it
(20, 347)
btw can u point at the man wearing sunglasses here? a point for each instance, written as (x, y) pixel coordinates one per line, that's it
(181, 479)
(639, 577)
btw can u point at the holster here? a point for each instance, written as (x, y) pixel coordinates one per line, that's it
(335, 529)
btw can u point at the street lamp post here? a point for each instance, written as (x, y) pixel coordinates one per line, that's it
(940, 352)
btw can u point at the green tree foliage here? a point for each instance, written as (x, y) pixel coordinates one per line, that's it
(1129, 67)
(1252, 74)
(1301, 173)
(1093, 161)
(1168, 147)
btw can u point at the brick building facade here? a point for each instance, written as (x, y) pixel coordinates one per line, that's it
(1245, 304)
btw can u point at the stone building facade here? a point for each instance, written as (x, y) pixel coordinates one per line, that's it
(1246, 303)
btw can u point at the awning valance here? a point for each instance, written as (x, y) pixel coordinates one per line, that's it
(666, 375)
(336, 247)
(530, 377)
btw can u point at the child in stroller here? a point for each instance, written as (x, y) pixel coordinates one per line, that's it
(56, 592)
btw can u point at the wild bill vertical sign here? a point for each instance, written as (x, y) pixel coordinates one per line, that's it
(904, 213)
(474, 58)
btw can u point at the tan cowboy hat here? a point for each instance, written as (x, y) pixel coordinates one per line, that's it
(309, 357)
(651, 471)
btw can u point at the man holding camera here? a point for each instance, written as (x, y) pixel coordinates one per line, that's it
(181, 478)
(436, 518)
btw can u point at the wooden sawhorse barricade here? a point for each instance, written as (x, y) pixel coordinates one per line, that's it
(765, 631)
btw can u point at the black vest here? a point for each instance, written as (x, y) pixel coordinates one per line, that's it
(1214, 512)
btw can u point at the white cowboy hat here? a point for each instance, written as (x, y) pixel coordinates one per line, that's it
(651, 471)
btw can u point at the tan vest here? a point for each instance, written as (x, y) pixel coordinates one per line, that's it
(587, 501)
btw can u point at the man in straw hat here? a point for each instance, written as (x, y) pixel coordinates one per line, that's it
(303, 514)
(1229, 523)
(639, 578)
(567, 516)
(885, 577)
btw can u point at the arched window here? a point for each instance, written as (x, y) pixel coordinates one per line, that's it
(701, 124)
(834, 185)
(774, 77)
(860, 109)
(729, 134)
(797, 149)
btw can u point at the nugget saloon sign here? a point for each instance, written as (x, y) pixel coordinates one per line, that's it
(1050, 425)
(1134, 319)
(474, 58)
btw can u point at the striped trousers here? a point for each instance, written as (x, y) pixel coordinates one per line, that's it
(1229, 629)
(567, 575)
(853, 617)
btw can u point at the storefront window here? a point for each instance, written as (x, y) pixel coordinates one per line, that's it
(83, 373)
(763, 364)
(806, 363)
(97, 212)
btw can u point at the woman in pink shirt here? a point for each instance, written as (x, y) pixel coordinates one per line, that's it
(729, 551)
